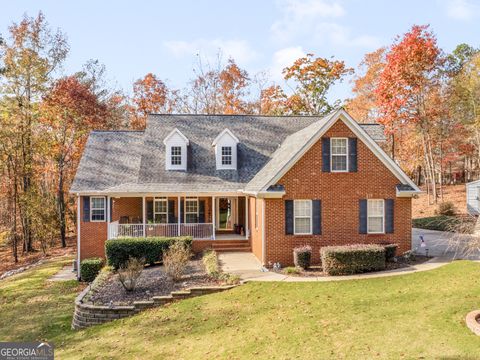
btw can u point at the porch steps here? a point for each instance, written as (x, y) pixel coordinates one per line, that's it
(231, 245)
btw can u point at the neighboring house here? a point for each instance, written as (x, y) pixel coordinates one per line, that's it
(253, 183)
(473, 197)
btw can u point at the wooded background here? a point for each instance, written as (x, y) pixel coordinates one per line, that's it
(426, 99)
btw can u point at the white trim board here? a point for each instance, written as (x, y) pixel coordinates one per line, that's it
(361, 134)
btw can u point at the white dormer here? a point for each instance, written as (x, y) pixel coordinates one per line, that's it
(176, 150)
(226, 150)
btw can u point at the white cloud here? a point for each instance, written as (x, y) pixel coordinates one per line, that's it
(283, 58)
(339, 35)
(460, 9)
(316, 20)
(302, 14)
(240, 50)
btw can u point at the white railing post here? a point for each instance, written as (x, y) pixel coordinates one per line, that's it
(214, 214)
(179, 214)
(144, 220)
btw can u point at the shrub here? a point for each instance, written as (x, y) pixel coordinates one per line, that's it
(210, 261)
(390, 251)
(352, 259)
(89, 268)
(229, 279)
(302, 256)
(291, 270)
(151, 249)
(446, 208)
(129, 273)
(175, 260)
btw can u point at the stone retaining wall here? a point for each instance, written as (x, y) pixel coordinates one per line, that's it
(87, 314)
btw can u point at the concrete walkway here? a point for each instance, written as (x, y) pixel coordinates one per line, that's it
(65, 274)
(249, 268)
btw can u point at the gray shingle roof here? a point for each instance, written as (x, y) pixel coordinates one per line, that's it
(122, 161)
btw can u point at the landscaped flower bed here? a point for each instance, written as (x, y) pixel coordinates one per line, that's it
(152, 282)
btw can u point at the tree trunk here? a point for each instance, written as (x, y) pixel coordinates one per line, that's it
(61, 204)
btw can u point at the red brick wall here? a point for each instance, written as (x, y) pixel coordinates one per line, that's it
(127, 206)
(340, 194)
(92, 237)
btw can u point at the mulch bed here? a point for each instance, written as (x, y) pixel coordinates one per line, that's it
(152, 282)
(316, 270)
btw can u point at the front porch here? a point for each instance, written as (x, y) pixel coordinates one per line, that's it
(203, 218)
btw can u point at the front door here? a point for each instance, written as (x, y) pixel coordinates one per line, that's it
(226, 213)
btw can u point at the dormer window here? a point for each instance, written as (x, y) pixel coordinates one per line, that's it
(226, 155)
(176, 155)
(226, 150)
(176, 150)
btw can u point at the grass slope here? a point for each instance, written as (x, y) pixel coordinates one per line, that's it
(407, 316)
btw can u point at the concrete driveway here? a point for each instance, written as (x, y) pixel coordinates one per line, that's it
(441, 243)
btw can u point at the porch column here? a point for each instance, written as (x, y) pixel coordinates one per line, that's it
(178, 213)
(246, 216)
(213, 217)
(108, 217)
(144, 217)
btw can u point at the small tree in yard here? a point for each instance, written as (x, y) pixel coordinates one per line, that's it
(175, 260)
(129, 273)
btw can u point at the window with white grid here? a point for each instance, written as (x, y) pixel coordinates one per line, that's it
(302, 210)
(160, 210)
(191, 211)
(339, 154)
(97, 208)
(226, 155)
(376, 216)
(176, 155)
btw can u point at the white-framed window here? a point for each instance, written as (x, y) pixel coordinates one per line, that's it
(302, 211)
(375, 216)
(160, 210)
(191, 210)
(176, 155)
(226, 155)
(339, 154)
(97, 208)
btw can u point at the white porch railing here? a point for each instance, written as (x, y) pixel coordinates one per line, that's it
(197, 230)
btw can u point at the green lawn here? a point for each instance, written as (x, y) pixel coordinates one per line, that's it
(406, 316)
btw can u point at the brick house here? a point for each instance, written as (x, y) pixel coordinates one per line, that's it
(244, 183)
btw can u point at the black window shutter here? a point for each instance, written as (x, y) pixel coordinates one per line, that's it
(181, 210)
(171, 211)
(317, 217)
(325, 154)
(362, 226)
(111, 209)
(201, 211)
(352, 154)
(149, 211)
(289, 217)
(86, 208)
(389, 219)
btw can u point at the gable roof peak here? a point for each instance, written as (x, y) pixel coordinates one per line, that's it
(224, 132)
(173, 132)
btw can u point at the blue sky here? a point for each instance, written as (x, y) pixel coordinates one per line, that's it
(133, 38)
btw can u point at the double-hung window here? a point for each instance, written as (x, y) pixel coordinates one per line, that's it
(191, 210)
(176, 155)
(376, 216)
(302, 210)
(339, 154)
(160, 211)
(226, 155)
(97, 208)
